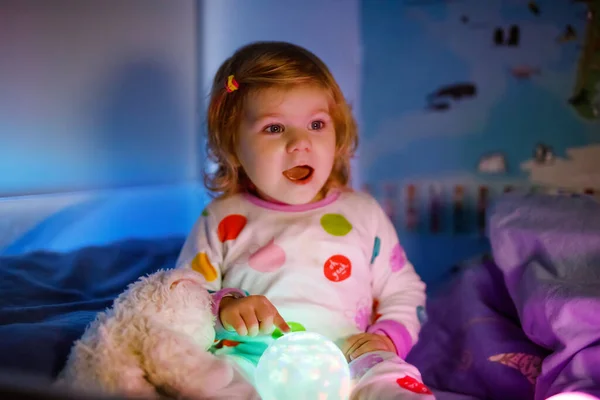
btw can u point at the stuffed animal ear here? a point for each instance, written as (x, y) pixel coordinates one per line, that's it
(177, 282)
(181, 275)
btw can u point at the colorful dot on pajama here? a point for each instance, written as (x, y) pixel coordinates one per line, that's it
(268, 258)
(337, 268)
(336, 224)
(363, 317)
(230, 227)
(294, 327)
(397, 258)
(413, 385)
(205, 213)
(376, 249)
(202, 264)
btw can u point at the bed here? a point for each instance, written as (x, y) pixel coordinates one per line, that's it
(522, 325)
(65, 257)
(526, 323)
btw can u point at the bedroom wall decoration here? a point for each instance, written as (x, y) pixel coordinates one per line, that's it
(464, 100)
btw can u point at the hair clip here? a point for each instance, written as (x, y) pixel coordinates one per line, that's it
(231, 84)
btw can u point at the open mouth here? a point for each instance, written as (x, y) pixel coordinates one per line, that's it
(300, 174)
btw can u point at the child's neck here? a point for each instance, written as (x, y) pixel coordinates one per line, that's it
(320, 196)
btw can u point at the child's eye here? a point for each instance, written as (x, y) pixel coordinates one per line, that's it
(317, 125)
(275, 128)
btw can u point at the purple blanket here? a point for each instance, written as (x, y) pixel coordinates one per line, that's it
(526, 326)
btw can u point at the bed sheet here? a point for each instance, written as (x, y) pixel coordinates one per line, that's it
(527, 324)
(48, 298)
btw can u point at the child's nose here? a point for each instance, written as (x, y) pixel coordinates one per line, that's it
(299, 141)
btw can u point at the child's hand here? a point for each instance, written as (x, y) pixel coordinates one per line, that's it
(249, 315)
(362, 343)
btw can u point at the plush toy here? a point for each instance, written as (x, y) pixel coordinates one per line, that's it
(152, 343)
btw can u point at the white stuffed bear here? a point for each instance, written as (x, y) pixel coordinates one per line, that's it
(153, 343)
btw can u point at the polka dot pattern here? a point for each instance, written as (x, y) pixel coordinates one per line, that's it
(376, 249)
(336, 224)
(411, 384)
(230, 227)
(397, 258)
(202, 264)
(268, 258)
(337, 268)
(294, 327)
(362, 317)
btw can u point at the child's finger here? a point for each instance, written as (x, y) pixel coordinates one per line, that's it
(362, 349)
(281, 324)
(348, 343)
(251, 321)
(266, 325)
(236, 323)
(267, 313)
(366, 347)
(354, 343)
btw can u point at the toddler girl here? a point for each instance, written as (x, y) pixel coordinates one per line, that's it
(288, 245)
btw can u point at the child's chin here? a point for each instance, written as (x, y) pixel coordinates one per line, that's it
(298, 198)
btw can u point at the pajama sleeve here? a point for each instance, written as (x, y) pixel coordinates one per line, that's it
(397, 289)
(203, 252)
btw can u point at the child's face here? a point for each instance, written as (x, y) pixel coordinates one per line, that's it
(284, 129)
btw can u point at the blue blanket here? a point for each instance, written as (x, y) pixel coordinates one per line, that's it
(47, 299)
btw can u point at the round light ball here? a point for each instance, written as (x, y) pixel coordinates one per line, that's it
(303, 366)
(572, 396)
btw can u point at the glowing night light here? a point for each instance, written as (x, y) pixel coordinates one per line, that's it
(303, 366)
(572, 396)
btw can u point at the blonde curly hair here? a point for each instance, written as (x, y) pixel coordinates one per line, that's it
(256, 67)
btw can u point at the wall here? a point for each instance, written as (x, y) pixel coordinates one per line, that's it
(329, 28)
(105, 94)
(456, 105)
(96, 94)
